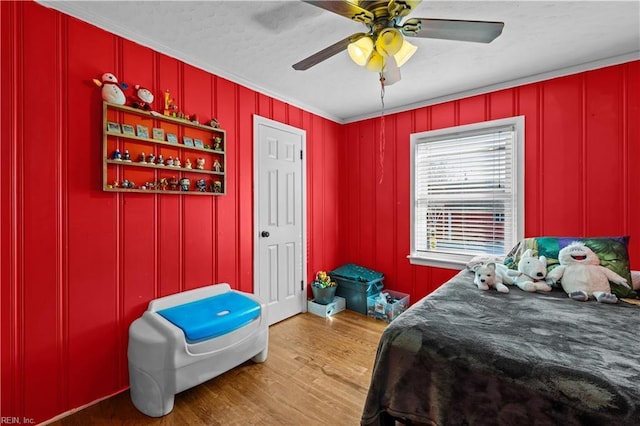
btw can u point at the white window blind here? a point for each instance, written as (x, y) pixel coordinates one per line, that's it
(465, 191)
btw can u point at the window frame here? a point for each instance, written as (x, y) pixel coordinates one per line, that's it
(459, 260)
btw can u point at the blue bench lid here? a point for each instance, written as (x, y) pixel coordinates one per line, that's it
(212, 317)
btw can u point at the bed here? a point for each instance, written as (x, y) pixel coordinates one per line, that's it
(462, 356)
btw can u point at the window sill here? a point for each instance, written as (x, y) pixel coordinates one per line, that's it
(440, 260)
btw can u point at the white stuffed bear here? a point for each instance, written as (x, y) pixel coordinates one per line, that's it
(487, 276)
(582, 276)
(531, 273)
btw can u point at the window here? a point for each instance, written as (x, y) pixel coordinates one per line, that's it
(467, 192)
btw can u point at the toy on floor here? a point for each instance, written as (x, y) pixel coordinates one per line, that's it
(531, 273)
(581, 275)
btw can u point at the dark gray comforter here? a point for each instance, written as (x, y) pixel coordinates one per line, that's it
(462, 356)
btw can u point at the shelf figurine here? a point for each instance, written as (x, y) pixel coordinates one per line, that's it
(185, 183)
(217, 143)
(176, 162)
(160, 160)
(216, 165)
(116, 155)
(201, 185)
(214, 123)
(169, 106)
(111, 89)
(151, 159)
(173, 183)
(217, 186)
(200, 163)
(187, 164)
(142, 158)
(163, 183)
(126, 157)
(169, 162)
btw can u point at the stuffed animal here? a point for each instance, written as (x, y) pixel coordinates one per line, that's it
(141, 98)
(581, 275)
(487, 276)
(112, 91)
(531, 273)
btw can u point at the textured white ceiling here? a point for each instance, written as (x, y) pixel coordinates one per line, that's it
(254, 43)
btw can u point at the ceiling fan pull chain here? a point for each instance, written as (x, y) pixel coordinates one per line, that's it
(382, 129)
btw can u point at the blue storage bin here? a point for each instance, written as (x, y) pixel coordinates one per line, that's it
(356, 283)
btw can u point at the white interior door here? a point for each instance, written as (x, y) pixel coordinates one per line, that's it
(279, 202)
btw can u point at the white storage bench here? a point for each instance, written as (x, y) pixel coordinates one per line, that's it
(188, 338)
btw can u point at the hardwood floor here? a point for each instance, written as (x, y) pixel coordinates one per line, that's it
(317, 373)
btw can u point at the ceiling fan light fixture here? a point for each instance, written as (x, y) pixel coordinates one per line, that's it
(406, 51)
(375, 62)
(389, 42)
(360, 50)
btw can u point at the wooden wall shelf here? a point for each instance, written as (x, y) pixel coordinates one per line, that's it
(146, 176)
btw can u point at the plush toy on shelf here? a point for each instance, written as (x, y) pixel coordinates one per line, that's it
(581, 275)
(112, 91)
(141, 98)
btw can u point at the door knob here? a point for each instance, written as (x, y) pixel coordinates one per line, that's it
(265, 234)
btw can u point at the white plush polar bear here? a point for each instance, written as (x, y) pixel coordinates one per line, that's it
(582, 276)
(531, 273)
(488, 276)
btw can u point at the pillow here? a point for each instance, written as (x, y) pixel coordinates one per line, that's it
(612, 252)
(635, 278)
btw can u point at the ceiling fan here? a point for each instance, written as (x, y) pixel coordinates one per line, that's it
(382, 48)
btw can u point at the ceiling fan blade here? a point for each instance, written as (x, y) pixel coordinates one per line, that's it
(328, 52)
(452, 29)
(346, 9)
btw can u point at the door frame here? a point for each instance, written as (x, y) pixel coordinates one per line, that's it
(257, 121)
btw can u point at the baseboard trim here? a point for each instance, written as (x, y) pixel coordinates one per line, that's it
(82, 407)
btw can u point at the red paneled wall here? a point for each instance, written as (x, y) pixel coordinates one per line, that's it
(582, 150)
(79, 264)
